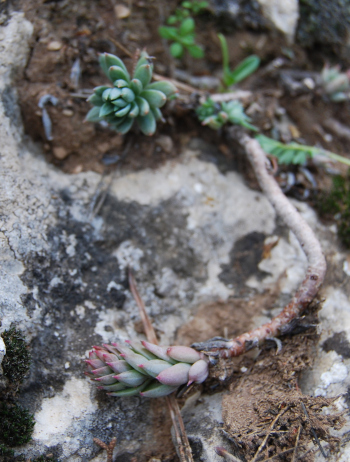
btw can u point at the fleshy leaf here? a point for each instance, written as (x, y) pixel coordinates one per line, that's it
(147, 124)
(155, 98)
(157, 390)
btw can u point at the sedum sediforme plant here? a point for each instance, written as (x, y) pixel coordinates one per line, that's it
(144, 368)
(215, 115)
(129, 99)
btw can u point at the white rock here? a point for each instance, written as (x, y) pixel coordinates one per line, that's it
(283, 14)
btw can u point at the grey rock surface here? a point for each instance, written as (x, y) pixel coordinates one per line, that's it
(63, 279)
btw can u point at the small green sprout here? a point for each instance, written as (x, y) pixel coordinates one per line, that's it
(336, 84)
(181, 30)
(295, 153)
(240, 72)
(215, 115)
(129, 99)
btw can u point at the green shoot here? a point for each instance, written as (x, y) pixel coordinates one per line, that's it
(242, 71)
(215, 115)
(181, 30)
(295, 153)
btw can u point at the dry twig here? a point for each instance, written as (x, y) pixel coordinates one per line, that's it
(108, 448)
(183, 445)
(296, 444)
(315, 272)
(273, 423)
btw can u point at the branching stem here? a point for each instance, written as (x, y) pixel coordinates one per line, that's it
(315, 272)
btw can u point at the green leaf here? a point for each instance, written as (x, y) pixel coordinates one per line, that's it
(195, 51)
(127, 95)
(143, 59)
(117, 73)
(135, 110)
(99, 90)
(155, 98)
(225, 55)
(164, 86)
(157, 114)
(186, 27)
(144, 74)
(120, 83)
(244, 69)
(93, 115)
(106, 109)
(114, 94)
(176, 50)
(120, 102)
(130, 391)
(187, 40)
(147, 124)
(103, 64)
(95, 100)
(172, 20)
(156, 390)
(169, 33)
(123, 112)
(136, 86)
(143, 105)
(112, 60)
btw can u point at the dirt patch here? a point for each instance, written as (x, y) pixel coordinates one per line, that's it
(65, 32)
(266, 402)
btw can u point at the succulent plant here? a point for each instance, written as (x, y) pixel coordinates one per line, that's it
(335, 84)
(129, 99)
(144, 368)
(215, 115)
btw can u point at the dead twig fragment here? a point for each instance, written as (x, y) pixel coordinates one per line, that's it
(313, 432)
(273, 423)
(296, 445)
(108, 448)
(315, 272)
(183, 445)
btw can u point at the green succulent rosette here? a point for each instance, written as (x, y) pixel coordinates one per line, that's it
(129, 99)
(142, 368)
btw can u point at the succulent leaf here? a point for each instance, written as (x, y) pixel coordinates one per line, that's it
(93, 115)
(112, 60)
(155, 98)
(175, 375)
(164, 86)
(131, 378)
(155, 366)
(147, 124)
(117, 73)
(144, 74)
(119, 366)
(157, 390)
(136, 86)
(123, 111)
(95, 100)
(198, 372)
(106, 109)
(143, 105)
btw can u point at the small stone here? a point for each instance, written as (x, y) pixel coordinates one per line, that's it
(165, 142)
(60, 153)
(68, 112)
(309, 83)
(122, 11)
(55, 45)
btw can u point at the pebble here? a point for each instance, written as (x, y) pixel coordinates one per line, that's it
(55, 45)
(122, 11)
(165, 142)
(68, 112)
(60, 153)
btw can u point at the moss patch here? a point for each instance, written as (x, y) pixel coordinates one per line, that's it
(17, 360)
(336, 205)
(16, 424)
